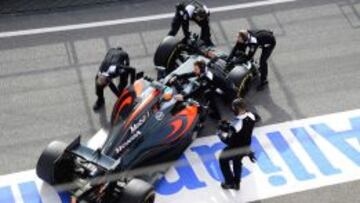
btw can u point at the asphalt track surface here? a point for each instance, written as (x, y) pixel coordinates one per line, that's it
(47, 80)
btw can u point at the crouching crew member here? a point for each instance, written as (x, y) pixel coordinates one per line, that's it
(248, 41)
(115, 65)
(237, 136)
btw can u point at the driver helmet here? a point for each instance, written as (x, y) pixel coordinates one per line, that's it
(168, 93)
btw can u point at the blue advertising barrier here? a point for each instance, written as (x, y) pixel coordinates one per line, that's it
(309, 153)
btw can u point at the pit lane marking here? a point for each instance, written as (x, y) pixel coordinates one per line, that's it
(132, 20)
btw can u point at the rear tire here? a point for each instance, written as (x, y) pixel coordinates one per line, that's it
(53, 167)
(137, 191)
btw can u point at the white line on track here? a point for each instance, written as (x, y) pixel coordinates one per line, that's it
(132, 20)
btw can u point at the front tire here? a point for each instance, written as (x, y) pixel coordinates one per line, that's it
(167, 53)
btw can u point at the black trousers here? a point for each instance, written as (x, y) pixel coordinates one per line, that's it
(205, 34)
(234, 155)
(175, 25)
(210, 96)
(124, 81)
(265, 54)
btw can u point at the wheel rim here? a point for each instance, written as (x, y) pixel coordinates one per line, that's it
(244, 86)
(171, 57)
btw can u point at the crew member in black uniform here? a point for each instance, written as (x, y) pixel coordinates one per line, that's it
(237, 136)
(196, 12)
(115, 64)
(208, 84)
(248, 41)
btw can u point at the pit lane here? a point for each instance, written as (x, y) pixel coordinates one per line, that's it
(47, 80)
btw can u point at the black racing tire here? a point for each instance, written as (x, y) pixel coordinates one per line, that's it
(137, 191)
(237, 74)
(53, 167)
(166, 53)
(241, 78)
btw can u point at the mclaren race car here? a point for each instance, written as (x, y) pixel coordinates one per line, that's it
(149, 127)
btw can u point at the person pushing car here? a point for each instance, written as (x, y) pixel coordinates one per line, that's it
(236, 134)
(196, 12)
(248, 41)
(115, 64)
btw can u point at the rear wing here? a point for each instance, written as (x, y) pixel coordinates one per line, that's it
(92, 156)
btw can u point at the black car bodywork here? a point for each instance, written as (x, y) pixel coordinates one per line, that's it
(147, 127)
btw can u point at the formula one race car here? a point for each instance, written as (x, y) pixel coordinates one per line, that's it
(148, 127)
(173, 54)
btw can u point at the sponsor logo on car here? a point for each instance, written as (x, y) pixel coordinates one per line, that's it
(139, 123)
(128, 142)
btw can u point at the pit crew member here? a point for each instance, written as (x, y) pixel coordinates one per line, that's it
(248, 41)
(195, 12)
(115, 65)
(236, 134)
